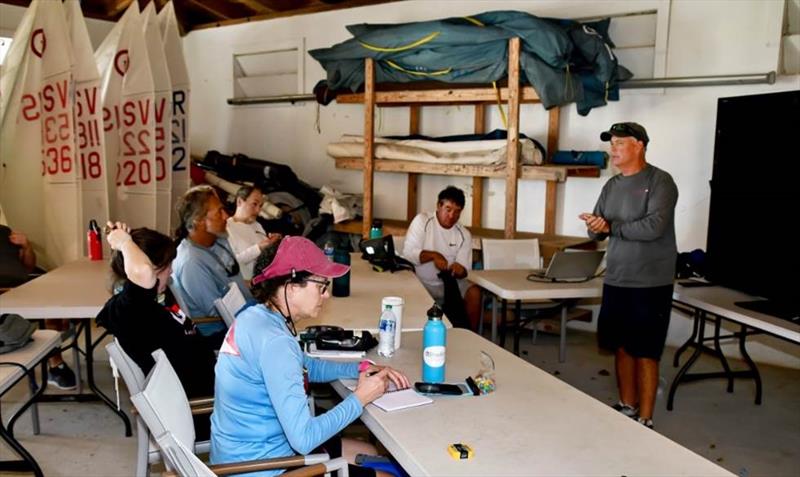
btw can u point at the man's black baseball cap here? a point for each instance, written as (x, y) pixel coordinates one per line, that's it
(633, 130)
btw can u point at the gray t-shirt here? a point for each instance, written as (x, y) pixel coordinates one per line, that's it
(640, 210)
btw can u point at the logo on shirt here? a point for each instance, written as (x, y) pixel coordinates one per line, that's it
(229, 344)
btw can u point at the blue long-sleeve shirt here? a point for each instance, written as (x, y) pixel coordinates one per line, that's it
(201, 276)
(260, 405)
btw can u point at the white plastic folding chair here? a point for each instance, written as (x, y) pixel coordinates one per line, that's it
(230, 303)
(147, 451)
(515, 254)
(163, 406)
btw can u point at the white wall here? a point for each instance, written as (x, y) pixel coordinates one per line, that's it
(695, 37)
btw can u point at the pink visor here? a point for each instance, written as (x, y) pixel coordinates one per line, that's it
(298, 254)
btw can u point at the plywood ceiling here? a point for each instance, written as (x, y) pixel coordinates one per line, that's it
(196, 14)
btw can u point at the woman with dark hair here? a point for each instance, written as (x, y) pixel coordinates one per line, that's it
(141, 262)
(246, 236)
(260, 403)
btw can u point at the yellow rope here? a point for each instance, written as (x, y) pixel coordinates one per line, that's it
(417, 73)
(500, 106)
(474, 21)
(415, 44)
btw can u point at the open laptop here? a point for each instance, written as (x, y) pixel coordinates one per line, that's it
(571, 266)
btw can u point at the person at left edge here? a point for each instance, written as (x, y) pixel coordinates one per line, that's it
(205, 263)
(260, 403)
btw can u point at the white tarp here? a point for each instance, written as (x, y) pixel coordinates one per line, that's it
(39, 181)
(88, 122)
(129, 121)
(163, 117)
(480, 152)
(179, 75)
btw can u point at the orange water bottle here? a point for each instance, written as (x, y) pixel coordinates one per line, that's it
(93, 241)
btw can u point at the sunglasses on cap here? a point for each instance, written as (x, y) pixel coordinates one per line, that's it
(626, 130)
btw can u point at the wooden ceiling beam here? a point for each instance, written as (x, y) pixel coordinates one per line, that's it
(255, 5)
(314, 8)
(224, 9)
(115, 8)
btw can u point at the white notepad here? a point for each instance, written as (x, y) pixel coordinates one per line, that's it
(394, 400)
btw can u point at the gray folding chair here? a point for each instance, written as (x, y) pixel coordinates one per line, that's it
(147, 451)
(230, 303)
(514, 254)
(163, 406)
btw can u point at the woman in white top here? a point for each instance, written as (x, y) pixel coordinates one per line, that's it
(245, 234)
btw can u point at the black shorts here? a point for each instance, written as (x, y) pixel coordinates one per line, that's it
(635, 319)
(333, 447)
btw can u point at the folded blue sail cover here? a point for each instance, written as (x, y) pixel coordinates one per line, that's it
(581, 158)
(564, 60)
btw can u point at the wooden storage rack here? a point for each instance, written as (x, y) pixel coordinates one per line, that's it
(480, 97)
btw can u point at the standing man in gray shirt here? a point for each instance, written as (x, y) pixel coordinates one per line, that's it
(636, 211)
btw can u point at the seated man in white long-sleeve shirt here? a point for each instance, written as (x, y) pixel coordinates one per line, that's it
(439, 246)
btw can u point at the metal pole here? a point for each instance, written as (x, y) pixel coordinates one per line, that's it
(723, 80)
(284, 98)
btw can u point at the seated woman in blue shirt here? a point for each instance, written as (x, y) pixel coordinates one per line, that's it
(260, 407)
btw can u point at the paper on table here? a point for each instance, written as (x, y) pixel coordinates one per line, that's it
(401, 400)
(394, 400)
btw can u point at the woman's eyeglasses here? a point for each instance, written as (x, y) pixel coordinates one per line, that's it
(325, 284)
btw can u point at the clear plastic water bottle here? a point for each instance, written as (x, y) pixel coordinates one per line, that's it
(434, 342)
(329, 250)
(387, 329)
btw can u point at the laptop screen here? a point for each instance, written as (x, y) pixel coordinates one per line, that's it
(574, 265)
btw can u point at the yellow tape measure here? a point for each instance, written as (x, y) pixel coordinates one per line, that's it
(460, 451)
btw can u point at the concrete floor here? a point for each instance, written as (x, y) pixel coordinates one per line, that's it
(87, 439)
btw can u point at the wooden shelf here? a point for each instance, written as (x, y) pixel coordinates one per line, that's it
(441, 96)
(417, 95)
(548, 172)
(548, 243)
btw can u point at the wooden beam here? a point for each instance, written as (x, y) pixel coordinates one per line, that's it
(551, 189)
(548, 243)
(212, 9)
(413, 177)
(258, 7)
(369, 143)
(479, 127)
(550, 202)
(553, 124)
(315, 8)
(544, 173)
(441, 96)
(512, 161)
(116, 8)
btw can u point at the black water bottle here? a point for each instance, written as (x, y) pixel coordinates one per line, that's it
(341, 285)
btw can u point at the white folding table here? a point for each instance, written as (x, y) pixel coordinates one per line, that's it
(514, 285)
(533, 424)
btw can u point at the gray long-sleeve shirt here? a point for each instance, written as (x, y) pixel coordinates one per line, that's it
(640, 210)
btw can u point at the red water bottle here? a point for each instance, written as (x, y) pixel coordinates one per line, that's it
(93, 241)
